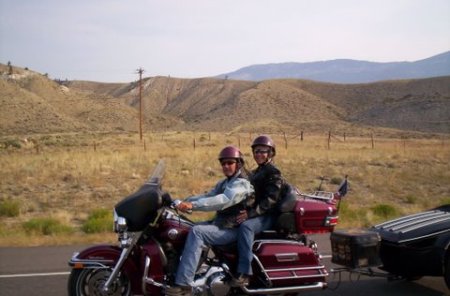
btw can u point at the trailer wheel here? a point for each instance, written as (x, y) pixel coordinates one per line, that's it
(447, 270)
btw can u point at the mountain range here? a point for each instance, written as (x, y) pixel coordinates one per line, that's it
(32, 103)
(346, 70)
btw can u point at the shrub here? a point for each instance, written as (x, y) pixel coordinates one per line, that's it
(14, 143)
(411, 199)
(384, 211)
(349, 217)
(45, 226)
(445, 201)
(336, 180)
(99, 220)
(9, 208)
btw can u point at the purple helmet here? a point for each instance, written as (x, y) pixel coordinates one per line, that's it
(231, 152)
(264, 140)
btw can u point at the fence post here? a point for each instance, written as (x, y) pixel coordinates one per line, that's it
(344, 136)
(373, 144)
(329, 139)
(285, 141)
(404, 144)
(95, 146)
(301, 136)
(194, 143)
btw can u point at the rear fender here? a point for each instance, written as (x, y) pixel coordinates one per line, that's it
(106, 256)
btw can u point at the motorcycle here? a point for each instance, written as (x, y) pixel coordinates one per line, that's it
(151, 234)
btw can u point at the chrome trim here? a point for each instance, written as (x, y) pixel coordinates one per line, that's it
(424, 223)
(263, 271)
(423, 236)
(148, 280)
(298, 277)
(278, 290)
(91, 264)
(321, 269)
(403, 221)
(123, 256)
(286, 257)
(275, 241)
(321, 195)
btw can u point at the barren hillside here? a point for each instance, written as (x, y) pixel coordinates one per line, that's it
(32, 103)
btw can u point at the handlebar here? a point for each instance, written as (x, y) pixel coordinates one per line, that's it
(175, 204)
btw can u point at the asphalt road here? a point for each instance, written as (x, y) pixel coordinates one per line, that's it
(44, 271)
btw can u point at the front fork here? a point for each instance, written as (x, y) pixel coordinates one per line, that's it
(126, 250)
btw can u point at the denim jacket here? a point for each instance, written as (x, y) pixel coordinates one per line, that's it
(228, 197)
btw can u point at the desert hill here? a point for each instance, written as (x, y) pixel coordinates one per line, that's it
(32, 103)
(346, 70)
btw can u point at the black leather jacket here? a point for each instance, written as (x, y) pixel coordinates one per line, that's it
(268, 183)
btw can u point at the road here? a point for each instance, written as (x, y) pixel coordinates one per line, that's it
(44, 271)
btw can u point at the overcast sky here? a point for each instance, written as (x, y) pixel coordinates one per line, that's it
(107, 40)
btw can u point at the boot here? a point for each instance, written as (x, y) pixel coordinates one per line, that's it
(240, 280)
(179, 291)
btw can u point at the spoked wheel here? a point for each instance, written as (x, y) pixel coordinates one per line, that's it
(89, 282)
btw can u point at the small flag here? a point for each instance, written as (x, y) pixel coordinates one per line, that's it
(343, 187)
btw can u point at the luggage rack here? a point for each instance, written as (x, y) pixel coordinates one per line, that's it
(319, 195)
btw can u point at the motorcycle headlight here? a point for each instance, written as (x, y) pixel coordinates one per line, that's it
(120, 223)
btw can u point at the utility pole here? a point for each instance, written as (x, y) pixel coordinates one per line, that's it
(140, 71)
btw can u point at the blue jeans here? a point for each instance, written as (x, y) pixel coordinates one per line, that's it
(246, 236)
(201, 235)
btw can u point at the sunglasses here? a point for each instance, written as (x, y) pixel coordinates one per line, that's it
(227, 162)
(260, 151)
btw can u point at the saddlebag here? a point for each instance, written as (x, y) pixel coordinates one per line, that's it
(355, 248)
(287, 263)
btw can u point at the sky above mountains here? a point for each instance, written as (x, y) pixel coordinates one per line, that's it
(108, 40)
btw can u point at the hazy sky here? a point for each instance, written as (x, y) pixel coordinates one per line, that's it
(107, 40)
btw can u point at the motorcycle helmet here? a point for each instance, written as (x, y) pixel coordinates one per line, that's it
(265, 140)
(231, 152)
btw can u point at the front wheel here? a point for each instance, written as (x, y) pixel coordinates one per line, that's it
(89, 282)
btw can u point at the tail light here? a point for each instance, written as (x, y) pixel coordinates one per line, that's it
(331, 220)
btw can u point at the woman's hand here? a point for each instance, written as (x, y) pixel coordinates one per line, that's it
(242, 216)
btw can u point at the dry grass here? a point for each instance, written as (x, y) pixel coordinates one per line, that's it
(69, 176)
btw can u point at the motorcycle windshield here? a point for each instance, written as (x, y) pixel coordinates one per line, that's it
(140, 208)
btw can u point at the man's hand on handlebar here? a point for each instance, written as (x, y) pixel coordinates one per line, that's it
(184, 206)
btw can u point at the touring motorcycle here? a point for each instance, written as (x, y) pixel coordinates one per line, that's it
(151, 236)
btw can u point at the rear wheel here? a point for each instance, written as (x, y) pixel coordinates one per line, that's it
(89, 282)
